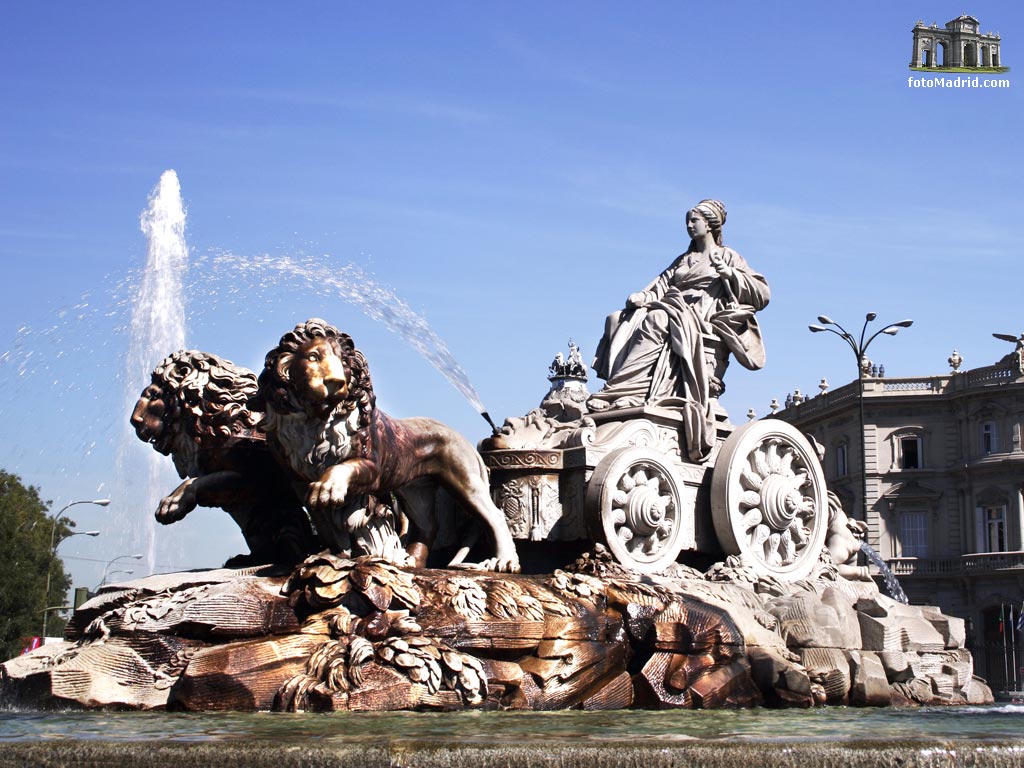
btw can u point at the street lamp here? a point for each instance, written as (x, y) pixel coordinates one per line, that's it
(860, 348)
(54, 543)
(112, 573)
(106, 568)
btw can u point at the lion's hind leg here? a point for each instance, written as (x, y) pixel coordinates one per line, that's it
(467, 481)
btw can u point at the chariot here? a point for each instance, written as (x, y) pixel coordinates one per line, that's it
(620, 477)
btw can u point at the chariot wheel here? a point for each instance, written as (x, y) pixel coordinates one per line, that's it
(768, 499)
(635, 508)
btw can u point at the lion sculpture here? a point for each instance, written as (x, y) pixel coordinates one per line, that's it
(199, 410)
(322, 421)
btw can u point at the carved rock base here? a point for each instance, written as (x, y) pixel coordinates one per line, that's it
(363, 634)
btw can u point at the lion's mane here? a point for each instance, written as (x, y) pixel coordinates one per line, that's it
(208, 396)
(345, 431)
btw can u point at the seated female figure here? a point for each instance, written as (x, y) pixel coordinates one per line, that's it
(655, 350)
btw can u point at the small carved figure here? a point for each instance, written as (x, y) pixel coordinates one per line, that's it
(844, 539)
(1015, 358)
(656, 350)
(199, 410)
(323, 422)
(576, 366)
(557, 367)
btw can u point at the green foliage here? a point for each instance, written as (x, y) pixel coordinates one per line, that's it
(25, 556)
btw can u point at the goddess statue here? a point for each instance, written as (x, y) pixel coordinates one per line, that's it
(670, 346)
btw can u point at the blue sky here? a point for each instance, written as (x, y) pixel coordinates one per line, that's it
(512, 171)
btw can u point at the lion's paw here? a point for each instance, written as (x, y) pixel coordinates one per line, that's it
(498, 565)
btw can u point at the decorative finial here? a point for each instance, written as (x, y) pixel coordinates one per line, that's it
(823, 385)
(798, 397)
(774, 405)
(751, 414)
(955, 361)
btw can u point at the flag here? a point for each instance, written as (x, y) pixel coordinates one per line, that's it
(1020, 618)
(1001, 607)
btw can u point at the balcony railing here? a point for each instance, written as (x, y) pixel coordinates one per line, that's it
(996, 375)
(975, 563)
(925, 566)
(993, 561)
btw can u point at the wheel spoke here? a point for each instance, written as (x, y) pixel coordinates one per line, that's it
(750, 480)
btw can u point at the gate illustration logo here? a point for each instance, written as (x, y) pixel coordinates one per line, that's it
(959, 47)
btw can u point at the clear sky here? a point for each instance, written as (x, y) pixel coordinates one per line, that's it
(512, 171)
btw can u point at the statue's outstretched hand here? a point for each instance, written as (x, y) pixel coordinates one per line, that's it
(174, 506)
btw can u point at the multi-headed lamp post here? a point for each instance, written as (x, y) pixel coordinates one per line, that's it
(54, 543)
(860, 348)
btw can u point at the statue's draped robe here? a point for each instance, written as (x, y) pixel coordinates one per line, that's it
(655, 353)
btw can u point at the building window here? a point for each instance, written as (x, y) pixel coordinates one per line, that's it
(994, 520)
(913, 534)
(989, 438)
(842, 466)
(910, 453)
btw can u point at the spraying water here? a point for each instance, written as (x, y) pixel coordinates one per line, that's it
(157, 328)
(318, 276)
(892, 584)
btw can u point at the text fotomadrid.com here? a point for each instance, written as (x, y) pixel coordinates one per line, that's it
(957, 82)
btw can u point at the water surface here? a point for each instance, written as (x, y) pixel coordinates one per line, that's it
(833, 724)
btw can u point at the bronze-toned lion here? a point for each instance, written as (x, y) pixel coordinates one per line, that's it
(322, 420)
(199, 410)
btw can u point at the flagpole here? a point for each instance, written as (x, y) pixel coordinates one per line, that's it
(1013, 649)
(1002, 631)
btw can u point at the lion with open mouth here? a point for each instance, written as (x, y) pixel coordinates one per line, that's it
(322, 421)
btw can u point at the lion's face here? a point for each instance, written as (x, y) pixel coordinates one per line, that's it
(317, 376)
(149, 418)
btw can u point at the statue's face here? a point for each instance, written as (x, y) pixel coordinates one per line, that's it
(317, 376)
(696, 224)
(148, 418)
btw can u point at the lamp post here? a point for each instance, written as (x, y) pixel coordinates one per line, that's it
(54, 543)
(106, 568)
(106, 576)
(860, 348)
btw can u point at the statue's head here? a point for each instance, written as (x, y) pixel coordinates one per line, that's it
(315, 368)
(713, 212)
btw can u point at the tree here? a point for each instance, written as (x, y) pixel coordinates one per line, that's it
(25, 558)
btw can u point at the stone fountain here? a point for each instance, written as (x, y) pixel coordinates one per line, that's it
(626, 548)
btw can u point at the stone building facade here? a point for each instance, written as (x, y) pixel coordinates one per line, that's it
(960, 44)
(945, 491)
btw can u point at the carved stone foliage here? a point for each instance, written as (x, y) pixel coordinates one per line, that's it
(363, 634)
